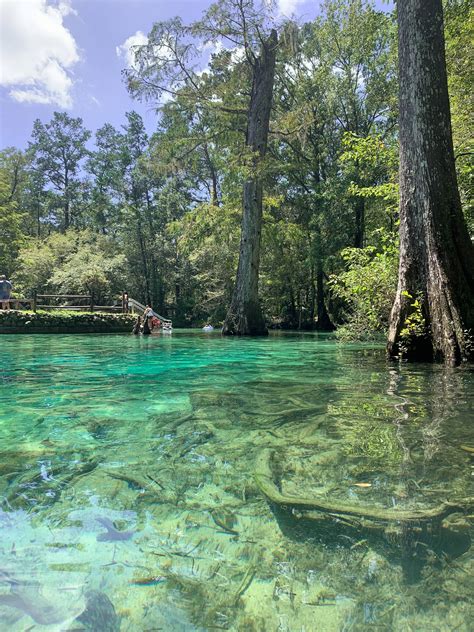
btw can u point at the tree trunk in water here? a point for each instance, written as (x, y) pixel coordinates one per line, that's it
(312, 297)
(436, 253)
(324, 322)
(245, 315)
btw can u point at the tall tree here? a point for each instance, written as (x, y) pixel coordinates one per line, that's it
(105, 165)
(245, 313)
(167, 65)
(433, 314)
(57, 148)
(13, 178)
(354, 42)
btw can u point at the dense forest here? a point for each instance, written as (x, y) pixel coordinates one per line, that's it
(285, 143)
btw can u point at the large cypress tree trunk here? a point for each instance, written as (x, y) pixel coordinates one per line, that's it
(245, 315)
(436, 253)
(323, 322)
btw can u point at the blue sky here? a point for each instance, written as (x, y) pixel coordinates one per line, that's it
(68, 55)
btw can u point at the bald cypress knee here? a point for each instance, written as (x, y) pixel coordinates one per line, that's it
(433, 314)
(245, 316)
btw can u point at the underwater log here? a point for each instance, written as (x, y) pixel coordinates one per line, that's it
(265, 481)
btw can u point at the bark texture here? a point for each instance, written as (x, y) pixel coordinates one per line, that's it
(324, 322)
(245, 315)
(436, 252)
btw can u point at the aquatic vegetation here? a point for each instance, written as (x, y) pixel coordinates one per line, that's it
(129, 497)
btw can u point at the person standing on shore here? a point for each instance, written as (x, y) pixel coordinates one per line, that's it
(5, 291)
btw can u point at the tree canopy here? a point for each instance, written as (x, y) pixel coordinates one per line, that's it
(159, 212)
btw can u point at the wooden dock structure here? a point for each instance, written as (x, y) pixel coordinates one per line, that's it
(79, 303)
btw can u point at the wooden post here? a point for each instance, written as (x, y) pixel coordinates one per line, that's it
(33, 302)
(92, 303)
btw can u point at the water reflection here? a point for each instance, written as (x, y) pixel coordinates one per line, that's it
(129, 500)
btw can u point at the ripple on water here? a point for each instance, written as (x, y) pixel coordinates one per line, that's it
(126, 472)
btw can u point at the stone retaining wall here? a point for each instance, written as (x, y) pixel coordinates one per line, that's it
(21, 322)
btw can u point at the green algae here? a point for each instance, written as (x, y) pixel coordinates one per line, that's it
(172, 429)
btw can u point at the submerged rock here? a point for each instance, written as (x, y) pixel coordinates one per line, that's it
(28, 599)
(112, 534)
(99, 615)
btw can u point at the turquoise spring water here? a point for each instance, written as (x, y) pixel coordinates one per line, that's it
(129, 500)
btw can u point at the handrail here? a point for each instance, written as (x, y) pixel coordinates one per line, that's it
(133, 303)
(88, 296)
(141, 308)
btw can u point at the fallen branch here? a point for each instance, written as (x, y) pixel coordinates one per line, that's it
(264, 479)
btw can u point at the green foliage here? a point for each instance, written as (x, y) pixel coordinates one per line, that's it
(356, 44)
(375, 160)
(76, 262)
(286, 266)
(12, 182)
(159, 214)
(414, 326)
(367, 286)
(90, 271)
(208, 237)
(459, 35)
(57, 149)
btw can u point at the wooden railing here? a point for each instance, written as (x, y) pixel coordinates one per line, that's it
(43, 301)
(87, 303)
(63, 302)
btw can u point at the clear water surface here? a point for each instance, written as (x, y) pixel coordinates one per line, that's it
(129, 500)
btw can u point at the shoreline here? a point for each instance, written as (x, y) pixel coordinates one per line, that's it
(26, 322)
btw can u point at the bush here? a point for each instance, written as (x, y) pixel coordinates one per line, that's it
(367, 288)
(76, 262)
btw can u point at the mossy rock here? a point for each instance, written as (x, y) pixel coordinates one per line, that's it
(75, 322)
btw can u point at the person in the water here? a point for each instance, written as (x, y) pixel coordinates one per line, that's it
(146, 331)
(137, 326)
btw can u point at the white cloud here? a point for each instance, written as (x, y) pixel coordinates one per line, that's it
(237, 55)
(37, 51)
(126, 50)
(288, 7)
(212, 47)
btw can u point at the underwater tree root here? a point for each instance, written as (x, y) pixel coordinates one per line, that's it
(365, 517)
